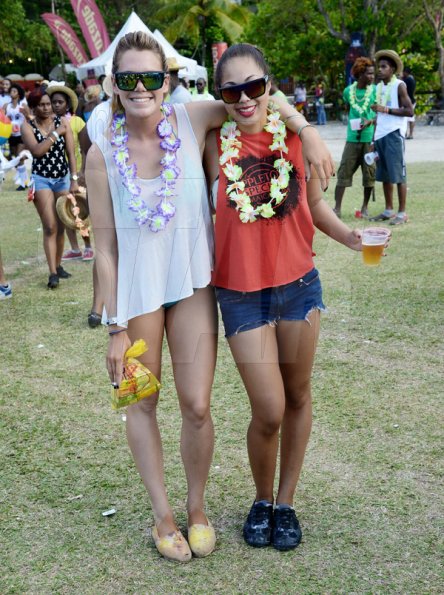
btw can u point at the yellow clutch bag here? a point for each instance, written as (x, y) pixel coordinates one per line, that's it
(138, 382)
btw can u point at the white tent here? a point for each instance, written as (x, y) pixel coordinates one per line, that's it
(103, 63)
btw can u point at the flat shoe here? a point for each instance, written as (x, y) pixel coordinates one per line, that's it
(173, 546)
(62, 274)
(202, 539)
(94, 319)
(382, 217)
(53, 281)
(398, 220)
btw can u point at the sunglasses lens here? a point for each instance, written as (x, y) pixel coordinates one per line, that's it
(152, 80)
(252, 89)
(127, 81)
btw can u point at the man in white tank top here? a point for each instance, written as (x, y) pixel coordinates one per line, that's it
(393, 107)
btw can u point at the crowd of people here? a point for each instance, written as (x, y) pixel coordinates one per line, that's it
(156, 172)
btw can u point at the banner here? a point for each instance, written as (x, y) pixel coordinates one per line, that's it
(217, 49)
(66, 38)
(92, 25)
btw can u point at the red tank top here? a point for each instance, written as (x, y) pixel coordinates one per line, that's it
(267, 252)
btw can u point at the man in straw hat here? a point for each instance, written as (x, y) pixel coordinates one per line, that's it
(393, 107)
(178, 93)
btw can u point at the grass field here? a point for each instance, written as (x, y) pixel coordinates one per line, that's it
(370, 496)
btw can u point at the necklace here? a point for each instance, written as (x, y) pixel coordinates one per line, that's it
(380, 99)
(160, 216)
(231, 145)
(43, 131)
(365, 100)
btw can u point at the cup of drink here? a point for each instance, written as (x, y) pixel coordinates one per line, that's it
(355, 124)
(371, 158)
(373, 241)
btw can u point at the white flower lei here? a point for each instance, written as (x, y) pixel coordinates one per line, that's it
(380, 100)
(361, 109)
(231, 146)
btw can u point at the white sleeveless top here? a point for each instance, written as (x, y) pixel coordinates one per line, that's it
(158, 268)
(387, 123)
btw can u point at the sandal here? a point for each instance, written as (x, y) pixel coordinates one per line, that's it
(94, 319)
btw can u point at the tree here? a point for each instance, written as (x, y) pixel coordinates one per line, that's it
(190, 20)
(435, 16)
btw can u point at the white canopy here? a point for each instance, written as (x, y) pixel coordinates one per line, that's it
(103, 63)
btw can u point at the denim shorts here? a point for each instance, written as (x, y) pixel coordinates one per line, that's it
(54, 184)
(243, 311)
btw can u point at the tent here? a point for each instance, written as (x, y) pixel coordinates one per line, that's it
(103, 63)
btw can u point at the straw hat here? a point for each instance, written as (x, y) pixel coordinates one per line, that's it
(173, 65)
(92, 92)
(60, 87)
(107, 85)
(393, 56)
(64, 208)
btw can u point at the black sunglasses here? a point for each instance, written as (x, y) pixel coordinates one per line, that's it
(127, 81)
(252, 89)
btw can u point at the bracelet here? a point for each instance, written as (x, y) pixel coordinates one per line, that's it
(305, 125)
(51, 139)
(55, 135)
(292, 116)
(116, 332)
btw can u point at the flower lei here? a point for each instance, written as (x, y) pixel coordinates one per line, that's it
(165, 210)
(231, 146)
(361, 109)
(388, 91)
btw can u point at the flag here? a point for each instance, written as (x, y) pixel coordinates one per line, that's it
(92, 25)
(66, 38)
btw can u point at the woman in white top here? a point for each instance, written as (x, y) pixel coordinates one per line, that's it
(14, 112)
(154, 242)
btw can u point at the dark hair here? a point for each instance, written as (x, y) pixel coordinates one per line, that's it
(67, 99)
(240, 50)
(35, 97)
(20, 90)
(360, 66)
(390, 61)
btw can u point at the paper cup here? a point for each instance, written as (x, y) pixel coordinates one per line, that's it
(355, 124)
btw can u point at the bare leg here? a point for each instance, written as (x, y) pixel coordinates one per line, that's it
(256, 356)
(142, 428)
(2, 272)
(60, 233)
(45, 204)
(97, 305)
(367, 196)
(388, 195)
(402, 197)
(192, 337)
(339, 195)
(72, 237)
(297, 345)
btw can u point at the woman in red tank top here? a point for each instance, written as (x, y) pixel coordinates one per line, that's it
(268, 289)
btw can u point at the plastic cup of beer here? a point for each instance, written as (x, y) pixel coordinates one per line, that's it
(373, 242)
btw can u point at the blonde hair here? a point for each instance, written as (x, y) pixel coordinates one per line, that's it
(140, 41)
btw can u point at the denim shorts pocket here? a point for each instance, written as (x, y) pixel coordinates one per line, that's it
(229, 296)
(309, 278)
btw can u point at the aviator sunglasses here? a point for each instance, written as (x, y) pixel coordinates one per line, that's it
(127, 81)
(252, 89)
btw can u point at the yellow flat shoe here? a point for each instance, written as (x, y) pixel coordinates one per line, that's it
(202, 539)
(173, 546)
